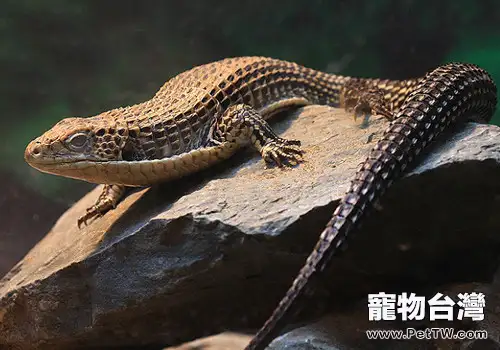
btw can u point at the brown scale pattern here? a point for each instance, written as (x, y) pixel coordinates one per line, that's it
(177, 118)
(161, 139)
(449, 94)
(203, 115)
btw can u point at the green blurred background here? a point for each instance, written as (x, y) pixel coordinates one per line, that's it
(77, 58)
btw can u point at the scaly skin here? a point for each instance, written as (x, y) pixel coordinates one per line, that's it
(198, 118)
(205, 114)
(447, 95)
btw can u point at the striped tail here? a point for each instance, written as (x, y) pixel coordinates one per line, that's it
(451, 93)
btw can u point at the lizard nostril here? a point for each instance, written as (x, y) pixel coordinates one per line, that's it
(36, 151)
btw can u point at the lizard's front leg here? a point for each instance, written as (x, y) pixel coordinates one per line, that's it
(241, 125)
(107, 200)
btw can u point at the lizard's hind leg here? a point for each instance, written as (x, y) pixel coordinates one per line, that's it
(363, 99)
(242, 125)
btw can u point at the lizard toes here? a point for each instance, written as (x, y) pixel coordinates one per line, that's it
(93, 212)
(361, 110)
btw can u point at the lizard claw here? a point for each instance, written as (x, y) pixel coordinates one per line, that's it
(364, 101)
(91, 213)
(107, 200)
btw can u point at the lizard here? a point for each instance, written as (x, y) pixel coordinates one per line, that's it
(204, 115)
(197, 118)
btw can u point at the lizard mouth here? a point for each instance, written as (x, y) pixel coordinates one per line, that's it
(45, 163)
(56, 161)
(37, 157)
(130, 173)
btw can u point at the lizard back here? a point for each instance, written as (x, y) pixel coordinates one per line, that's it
(166, 137)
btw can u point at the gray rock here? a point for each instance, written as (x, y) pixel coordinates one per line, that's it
(346, 329)
(217, 250)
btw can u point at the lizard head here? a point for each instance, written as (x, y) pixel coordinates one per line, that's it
(76, 140)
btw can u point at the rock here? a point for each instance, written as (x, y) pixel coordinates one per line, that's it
(217, 250)
(346, 329)
(224, 341)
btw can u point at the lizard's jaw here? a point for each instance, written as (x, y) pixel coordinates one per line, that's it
(63, 166)
(55, 159)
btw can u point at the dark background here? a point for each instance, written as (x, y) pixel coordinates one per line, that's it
(77, 58)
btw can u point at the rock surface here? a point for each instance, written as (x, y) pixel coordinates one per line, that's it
(224, 341)
(217, 250)
(346, 330)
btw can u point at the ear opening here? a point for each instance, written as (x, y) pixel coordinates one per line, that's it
(130, 152)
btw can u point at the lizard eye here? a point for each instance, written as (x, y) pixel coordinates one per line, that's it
(77, 141)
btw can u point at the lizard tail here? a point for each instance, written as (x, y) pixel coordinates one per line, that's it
(451, 93)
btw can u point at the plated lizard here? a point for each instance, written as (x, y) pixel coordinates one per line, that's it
(206, 114)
